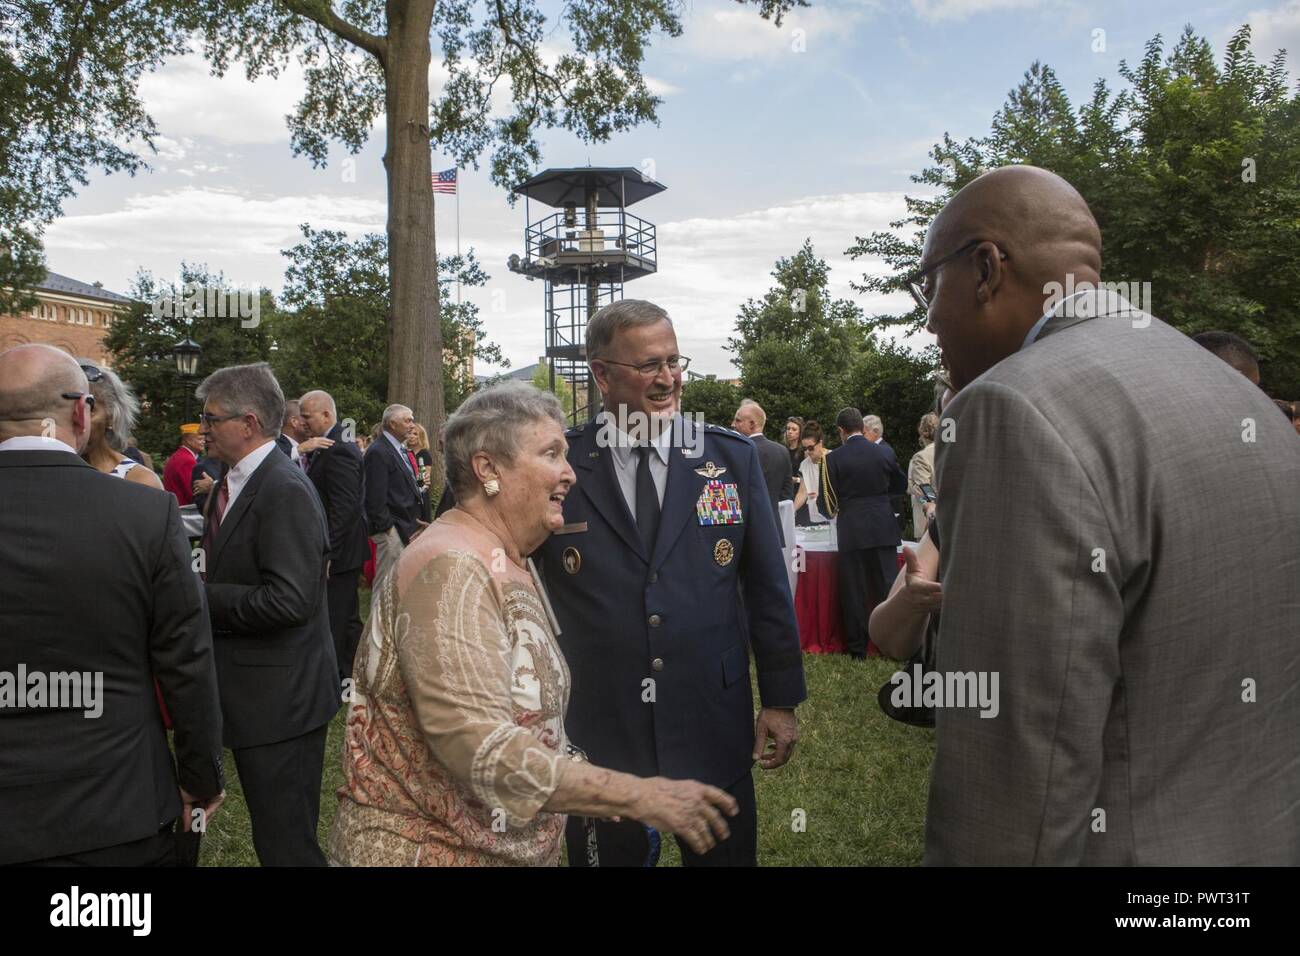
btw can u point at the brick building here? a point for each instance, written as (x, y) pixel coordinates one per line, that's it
(69, 314)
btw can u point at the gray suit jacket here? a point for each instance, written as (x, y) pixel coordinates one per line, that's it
(1149, 708)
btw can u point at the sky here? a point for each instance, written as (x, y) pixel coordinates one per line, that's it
(766, 136)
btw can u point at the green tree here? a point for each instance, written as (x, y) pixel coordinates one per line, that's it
(713, 398)
(1193, 173)
(336, 299)
(71, 70)
(562, 390)
(141, 340)
(795, 345)
(896, 384)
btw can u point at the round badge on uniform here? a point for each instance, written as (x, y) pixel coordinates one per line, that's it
(573, 560)
(723, 552)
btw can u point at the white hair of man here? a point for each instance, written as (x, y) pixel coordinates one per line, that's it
(760, 416)
(873, 425)
(247, 390)
(392, 411)
(317, 395)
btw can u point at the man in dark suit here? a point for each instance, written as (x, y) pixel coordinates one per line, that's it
(266, 546)
(90, 781)
(774, 459)
(874, 429)
(665, 532)
(335, 469)
(859, 480)
(392, 501)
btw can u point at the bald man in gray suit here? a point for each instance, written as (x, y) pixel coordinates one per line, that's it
(1120, 546)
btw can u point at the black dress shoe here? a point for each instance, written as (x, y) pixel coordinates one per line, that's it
(914, 716)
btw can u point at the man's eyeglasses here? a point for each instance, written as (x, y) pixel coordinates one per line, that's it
(915, 281)
(210, 420)
(675, 363)
(78, 396)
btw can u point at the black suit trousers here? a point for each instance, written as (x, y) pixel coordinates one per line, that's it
(865, 577)
(281, 784)
(628, 843)
(345, 617)
(157, 850)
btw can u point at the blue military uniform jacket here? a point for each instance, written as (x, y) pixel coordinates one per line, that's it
(858, 480)
(658, 644)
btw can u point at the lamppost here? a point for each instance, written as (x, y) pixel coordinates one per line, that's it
(186, 352)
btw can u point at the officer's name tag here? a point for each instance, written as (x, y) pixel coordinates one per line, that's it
(575, 528)
(719, 503)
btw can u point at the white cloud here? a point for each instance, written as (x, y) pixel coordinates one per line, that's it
(962, 9)
(708, 267)
(237, 234)
(739, 33)
(1277, 29)
(186, 100)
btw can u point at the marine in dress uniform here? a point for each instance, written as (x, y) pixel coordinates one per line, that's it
(660, 611)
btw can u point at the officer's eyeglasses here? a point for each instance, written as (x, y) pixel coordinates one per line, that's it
(675, 363)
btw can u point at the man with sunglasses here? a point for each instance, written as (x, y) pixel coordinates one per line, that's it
(1105, 555)
(79, 787)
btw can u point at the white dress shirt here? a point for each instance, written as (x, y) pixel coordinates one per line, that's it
(293, 448)
(1055, 310)
(238, 476)
(623, 452)
(35, 443)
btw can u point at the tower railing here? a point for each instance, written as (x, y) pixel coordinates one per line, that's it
(614, 231)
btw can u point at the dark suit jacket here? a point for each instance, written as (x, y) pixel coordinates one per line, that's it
(213, 469)
(392, 497)
(858, 479)
(95, 576)
(775, 462)
(336, 473)
(266, 591)
(678, 617)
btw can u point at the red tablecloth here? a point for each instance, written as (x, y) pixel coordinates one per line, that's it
(817, 605)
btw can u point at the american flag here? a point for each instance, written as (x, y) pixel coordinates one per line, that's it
(445, 181)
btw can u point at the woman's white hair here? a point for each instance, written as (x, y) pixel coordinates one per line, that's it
(120, 406)
(489, 421)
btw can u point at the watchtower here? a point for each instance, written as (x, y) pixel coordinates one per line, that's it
(585, 252)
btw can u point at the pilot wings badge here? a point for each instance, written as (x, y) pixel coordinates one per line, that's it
(710, 470)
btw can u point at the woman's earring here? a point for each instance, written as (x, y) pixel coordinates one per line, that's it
(491, 487)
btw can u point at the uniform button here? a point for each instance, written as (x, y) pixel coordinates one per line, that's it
(654, 576)
(657, 664)
(654, 620)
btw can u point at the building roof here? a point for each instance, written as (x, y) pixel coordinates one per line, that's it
(68, 286)
(524, 374)
(613, 186)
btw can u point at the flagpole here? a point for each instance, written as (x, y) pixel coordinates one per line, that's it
(462, 268)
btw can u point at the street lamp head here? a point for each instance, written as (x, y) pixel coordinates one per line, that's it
(186, 353)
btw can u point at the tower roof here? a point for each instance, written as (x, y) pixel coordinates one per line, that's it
(614, 186)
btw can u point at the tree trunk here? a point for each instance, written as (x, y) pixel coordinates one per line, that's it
(414, 324)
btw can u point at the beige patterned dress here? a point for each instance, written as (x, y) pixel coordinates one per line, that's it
(456, 734)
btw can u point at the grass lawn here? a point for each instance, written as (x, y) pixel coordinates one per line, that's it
(859, 778)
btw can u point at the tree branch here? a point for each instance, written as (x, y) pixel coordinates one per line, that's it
(319, 12)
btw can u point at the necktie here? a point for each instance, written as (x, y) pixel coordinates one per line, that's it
(214, 521)
(415, 468)
(647, 499)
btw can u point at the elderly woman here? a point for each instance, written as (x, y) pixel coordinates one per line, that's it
(110, 426)
(455, 751)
